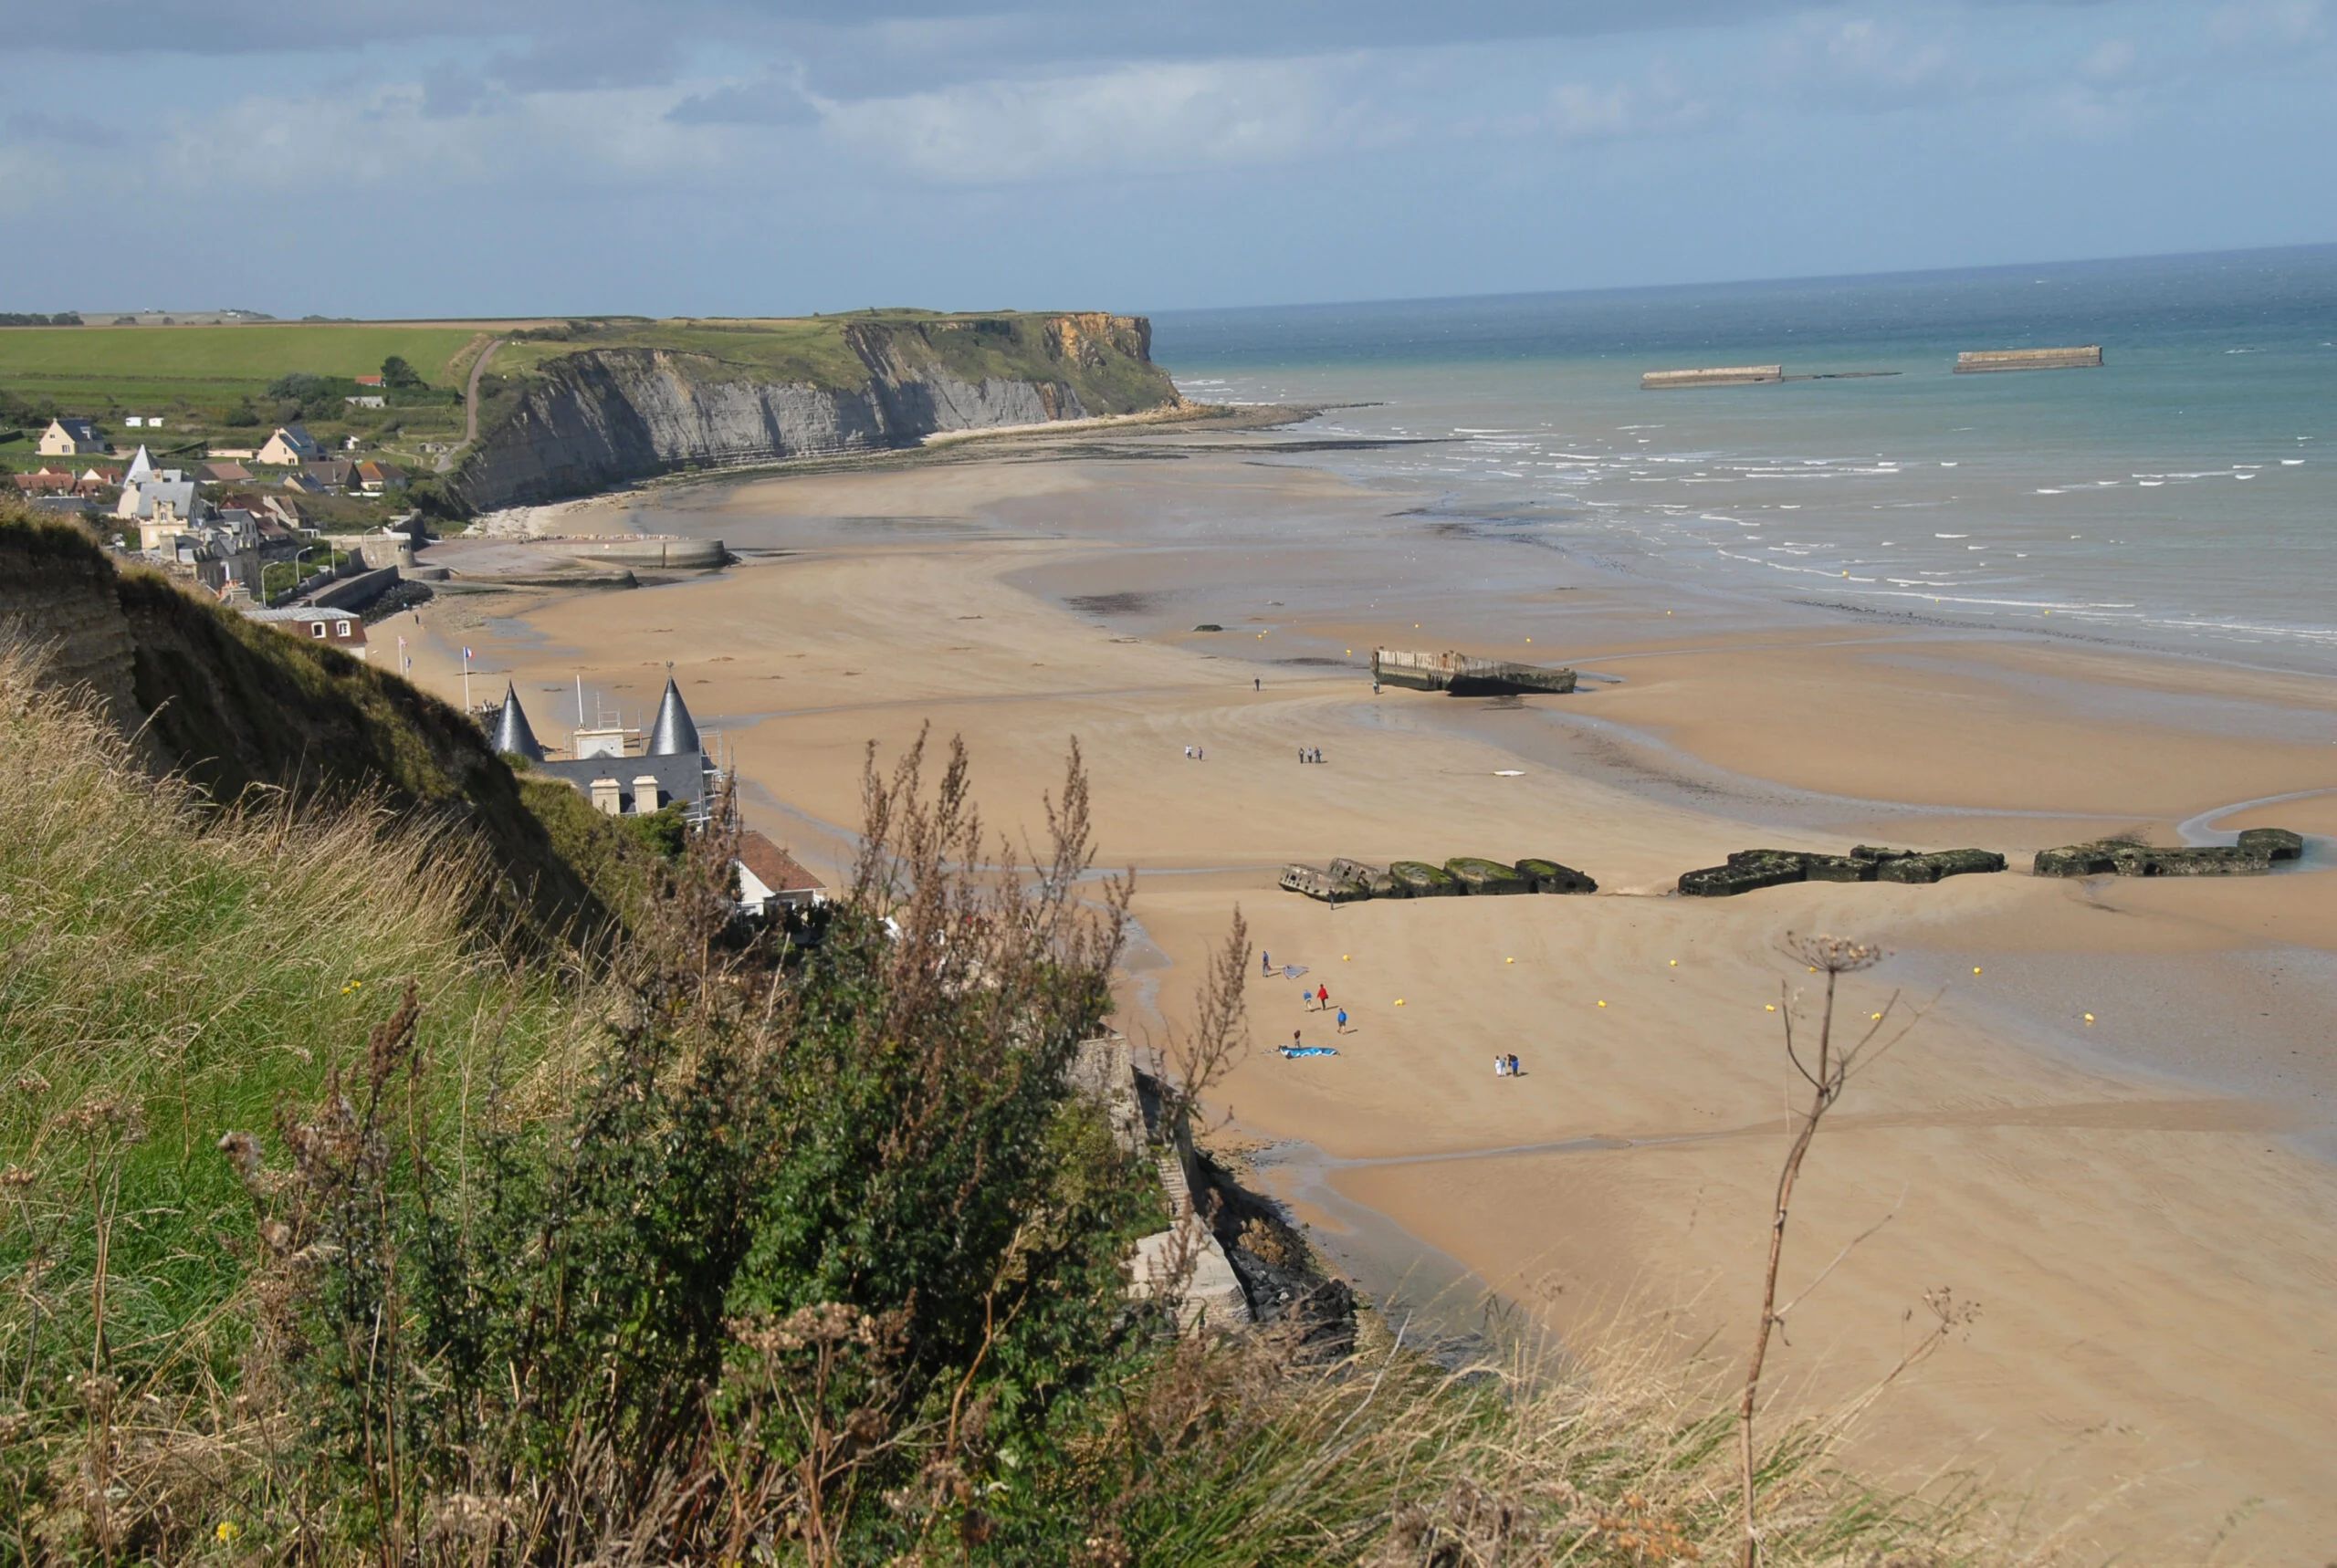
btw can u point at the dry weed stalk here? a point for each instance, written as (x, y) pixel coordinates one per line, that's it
(1827, 1072)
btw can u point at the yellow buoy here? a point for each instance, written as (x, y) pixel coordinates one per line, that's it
(1675, 963)
(1770, 1007)
(1875, 1017)
(1602, 1004)
(1509, 960)
(1399, 1001)
(2089, 1017)
(1343, 957)
(1975, 968)
(1529, 639)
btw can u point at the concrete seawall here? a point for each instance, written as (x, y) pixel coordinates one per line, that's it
(651, 550)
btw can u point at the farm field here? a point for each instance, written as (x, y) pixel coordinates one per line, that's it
(208, 365)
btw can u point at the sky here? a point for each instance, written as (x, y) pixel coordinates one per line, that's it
(769, 157)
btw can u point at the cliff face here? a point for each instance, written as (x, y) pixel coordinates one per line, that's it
(235, 704)
(601, 416)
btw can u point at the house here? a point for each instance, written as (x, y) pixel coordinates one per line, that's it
(339, 629)
(772, 881)
(303, 484)
(367, 381)
(271, 509)
(672, 770)
(70, 438)
(170, 510)
(46, 481)
(63, 506)
(372, 400)
(380, 479)
(289, 446)
(228, 472)
(148, 492)
(133, 421)
(332, 475)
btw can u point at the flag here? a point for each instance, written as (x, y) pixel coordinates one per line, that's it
(466, 656)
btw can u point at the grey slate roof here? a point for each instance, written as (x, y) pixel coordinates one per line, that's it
(679, 778)
(676, 733)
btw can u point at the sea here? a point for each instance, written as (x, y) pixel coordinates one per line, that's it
(2182, 496)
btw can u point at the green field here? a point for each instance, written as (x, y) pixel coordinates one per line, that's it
(201, 365)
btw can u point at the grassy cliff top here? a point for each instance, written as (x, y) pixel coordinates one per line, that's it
(824, 351)
(86, 369)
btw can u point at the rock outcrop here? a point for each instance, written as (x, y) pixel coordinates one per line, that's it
(601, 417)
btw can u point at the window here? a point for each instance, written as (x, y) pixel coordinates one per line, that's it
(340, 629)
(316, 628)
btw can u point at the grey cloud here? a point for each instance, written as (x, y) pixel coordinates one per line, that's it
(770, 101)
(1056, 29)
(67, 129)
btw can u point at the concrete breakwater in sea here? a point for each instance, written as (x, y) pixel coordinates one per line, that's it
(599, 418)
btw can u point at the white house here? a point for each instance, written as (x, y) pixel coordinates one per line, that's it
(772, 881)
(339, 629)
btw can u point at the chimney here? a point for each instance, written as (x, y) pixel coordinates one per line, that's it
(607, 797)
(644, 793)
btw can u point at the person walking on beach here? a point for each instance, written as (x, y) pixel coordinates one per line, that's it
(1501, 1065)
(1342, 1020)
(1265, 962)
(1295, 1043)
(1321, 999)
(1256, 684)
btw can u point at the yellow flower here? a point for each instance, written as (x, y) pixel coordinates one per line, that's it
(228, 1531)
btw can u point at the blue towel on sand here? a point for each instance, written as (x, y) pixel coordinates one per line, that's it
(1310, 1051)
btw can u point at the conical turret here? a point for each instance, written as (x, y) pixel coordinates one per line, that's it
(141, 467)
(512, 733)
(676, 733)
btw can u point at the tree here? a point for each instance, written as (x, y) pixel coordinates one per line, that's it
(396, 372)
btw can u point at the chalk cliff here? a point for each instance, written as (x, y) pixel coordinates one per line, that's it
(604, 415)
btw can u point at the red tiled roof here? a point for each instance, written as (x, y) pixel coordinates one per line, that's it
(773, 866)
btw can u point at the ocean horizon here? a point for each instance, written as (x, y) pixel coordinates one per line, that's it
(2180, 497)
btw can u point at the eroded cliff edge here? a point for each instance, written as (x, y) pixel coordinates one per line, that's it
(729, 396)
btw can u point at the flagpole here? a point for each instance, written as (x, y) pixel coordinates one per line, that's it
(466, 680)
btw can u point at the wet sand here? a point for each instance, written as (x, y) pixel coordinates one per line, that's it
(2140, 1203)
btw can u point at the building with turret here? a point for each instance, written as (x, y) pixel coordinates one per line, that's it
(615, 768)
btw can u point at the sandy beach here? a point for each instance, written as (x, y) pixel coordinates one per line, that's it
(2141, 1202)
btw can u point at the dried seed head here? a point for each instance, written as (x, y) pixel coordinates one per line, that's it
(1834, 955)
(243, 1152)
